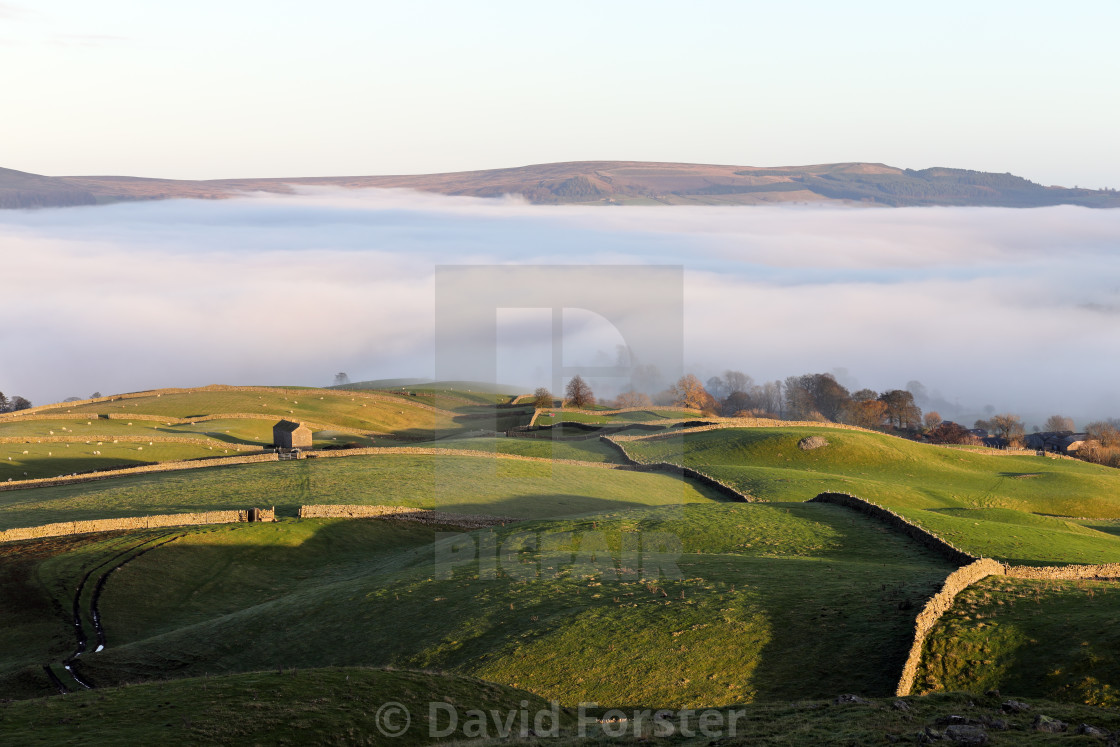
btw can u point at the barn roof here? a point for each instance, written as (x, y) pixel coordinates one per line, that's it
(287, 425)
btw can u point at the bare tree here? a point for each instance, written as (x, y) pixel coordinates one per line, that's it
(542, 398)
(717, 387)
(19, 403)
(1104, 432)
(1057, 423)
(341, 379)
(737, 381)
(578, 393)
(768, 397)
(932, 419)
(1008, 426)
(634, 399)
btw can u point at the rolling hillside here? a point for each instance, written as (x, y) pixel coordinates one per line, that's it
(604, 182)
(172, 425)
(760, 602)
(728, 627)
(1013, 508)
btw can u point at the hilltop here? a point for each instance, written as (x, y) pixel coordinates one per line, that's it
(603, 183)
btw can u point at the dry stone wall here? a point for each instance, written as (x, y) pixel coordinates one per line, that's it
(720, 487)
(938, 605)
(92, 526)
(922, 536)
(408, 513)
(143, 469)
(1064, 572)
(972, 569)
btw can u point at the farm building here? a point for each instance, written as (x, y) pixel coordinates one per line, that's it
(289, 435)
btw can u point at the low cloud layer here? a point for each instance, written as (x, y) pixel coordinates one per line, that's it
(1019, 309)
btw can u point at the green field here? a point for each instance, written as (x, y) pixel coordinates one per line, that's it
(995, 506)
(589, 450)
(759, 603)
(730, 628)
(324, 706)
(638, 416)
(55, 459)
(1052, 639)
(382, 420)
(339, 706)
(316, 405)
(474, 485)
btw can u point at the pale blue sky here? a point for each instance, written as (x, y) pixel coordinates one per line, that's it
(253, 88)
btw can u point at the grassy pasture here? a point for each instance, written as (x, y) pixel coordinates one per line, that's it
(339, 705)
(477, 485)
(54, 459)
(731, 628)
(320, 406)
(399, 419)
(1050, 639)
(991, 505)
(325, 706)
(638, 416)
(591, 450)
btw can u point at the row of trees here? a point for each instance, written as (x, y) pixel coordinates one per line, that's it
(820, 397)
(817, 397)
(13, 404)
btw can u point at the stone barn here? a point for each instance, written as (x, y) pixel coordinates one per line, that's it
(289, 435)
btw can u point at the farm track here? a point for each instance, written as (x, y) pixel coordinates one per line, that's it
(70, 663)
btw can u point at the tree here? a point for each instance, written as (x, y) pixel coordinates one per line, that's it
(717, 387)
(95, 395)
(578, 393)
(737, 402)
(634, 399)
(983, 425)
(901, 411)
(816, 397)
(1008, 426)
(866, 413)
(5, 405)
(19, 403)
(932, 419)
(737, 381)
(951, 433)
(1058, 423)
(689, 392)
(1104, 432)
(542, 398)
(341, 379)
(768, 397)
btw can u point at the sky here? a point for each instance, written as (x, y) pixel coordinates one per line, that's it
(260, 88)
(1016, 309)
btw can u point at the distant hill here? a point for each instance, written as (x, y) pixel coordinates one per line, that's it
(605, 182)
